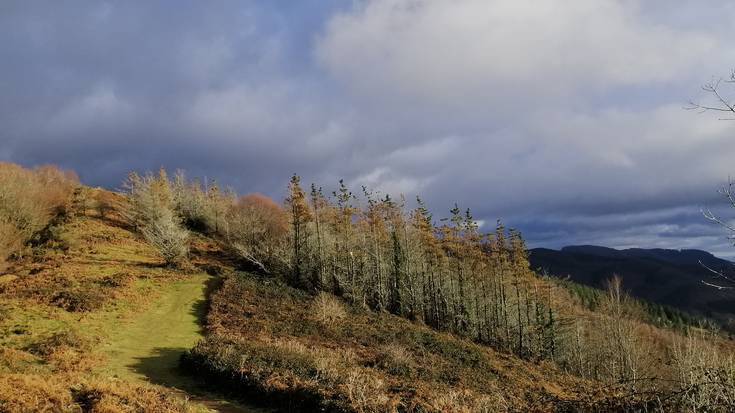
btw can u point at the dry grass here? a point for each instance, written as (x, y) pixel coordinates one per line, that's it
(58, 305)
(366, 392)
(267, 332)
(327, 309)
(29, 201)
(33, 393)
(453, 401)
(74, 394)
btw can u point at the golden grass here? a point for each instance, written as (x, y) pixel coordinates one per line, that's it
(328, 309)
(60, 305)
(366, 361)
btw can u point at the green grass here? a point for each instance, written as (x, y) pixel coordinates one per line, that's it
(148, 346)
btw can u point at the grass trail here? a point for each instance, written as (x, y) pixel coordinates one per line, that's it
(148, 346)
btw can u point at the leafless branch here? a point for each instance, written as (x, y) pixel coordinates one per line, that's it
(722, 103)
(719, 287)
(718, 274)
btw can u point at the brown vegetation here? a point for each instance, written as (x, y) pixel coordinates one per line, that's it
(264, 339)
(58, 301)
(257, 230)
(359, 305)
(29, 200)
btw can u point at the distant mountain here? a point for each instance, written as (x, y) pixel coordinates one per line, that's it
(670, 277)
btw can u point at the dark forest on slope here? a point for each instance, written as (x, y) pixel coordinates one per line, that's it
(672, 278)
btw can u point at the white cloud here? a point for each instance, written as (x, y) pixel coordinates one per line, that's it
(503, 50)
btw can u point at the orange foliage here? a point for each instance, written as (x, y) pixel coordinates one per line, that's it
(264, 210)
(29, 200)
(258, 230)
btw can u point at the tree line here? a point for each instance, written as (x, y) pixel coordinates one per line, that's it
(372, 251)
(377, 253)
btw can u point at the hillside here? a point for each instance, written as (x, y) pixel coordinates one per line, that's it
(74, 328)
(175, 297)
(670, 277)
(68, 317)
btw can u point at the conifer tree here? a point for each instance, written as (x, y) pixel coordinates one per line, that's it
(318, 204)
(300, 217)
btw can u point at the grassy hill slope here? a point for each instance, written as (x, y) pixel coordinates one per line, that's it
(93, 320)
(81, 310)
(69, 314)
(315, 351)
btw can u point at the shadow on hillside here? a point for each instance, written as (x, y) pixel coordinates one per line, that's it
(200, 309)
(162, 367)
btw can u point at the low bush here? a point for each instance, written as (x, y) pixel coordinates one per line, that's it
(73, 394)
(327, 309)
(265, 339)
(49, 344)
(276, 374)
(30, 199)
(80, 299)
(396, 360)
(27, 393)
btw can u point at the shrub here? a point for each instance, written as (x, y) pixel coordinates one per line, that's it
(396, 360)
(37, 393)
(258, 229)
(30, 393)
(452, 401)
(80, 299)
(327, 309)
(11, 240)
(365, 392)
(151, 211)
(29, 201)
(168, 237)
(48, 345)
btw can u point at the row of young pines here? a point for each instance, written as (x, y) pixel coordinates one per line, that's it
(449, 276)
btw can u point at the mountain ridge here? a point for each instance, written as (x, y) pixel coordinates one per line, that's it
(666, 276)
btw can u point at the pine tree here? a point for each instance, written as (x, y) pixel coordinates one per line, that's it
(393, 217)
(318, 203)
(300, 217)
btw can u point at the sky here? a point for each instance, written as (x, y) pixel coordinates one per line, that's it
(566, 119)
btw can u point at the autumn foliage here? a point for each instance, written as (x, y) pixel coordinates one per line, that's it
(257, 230)
(29, 200)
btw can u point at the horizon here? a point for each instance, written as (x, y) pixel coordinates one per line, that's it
(574, 133)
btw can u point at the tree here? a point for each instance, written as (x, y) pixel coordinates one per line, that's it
(300, 216)
(152, 212)
(258, 231)
(719, 101)
(622, 341)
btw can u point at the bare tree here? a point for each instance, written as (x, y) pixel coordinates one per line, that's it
(151, 211)
(719, 99)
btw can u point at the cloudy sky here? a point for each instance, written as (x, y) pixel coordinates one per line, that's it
(564, 118)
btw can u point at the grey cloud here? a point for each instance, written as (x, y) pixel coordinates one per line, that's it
(573, 132)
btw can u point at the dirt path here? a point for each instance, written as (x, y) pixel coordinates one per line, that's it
(148, 346)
